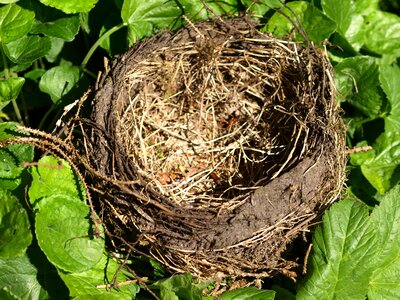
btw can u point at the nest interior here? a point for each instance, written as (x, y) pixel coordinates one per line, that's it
(214, 147)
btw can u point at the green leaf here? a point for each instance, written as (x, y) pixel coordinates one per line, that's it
(349, 23)
(15, 233)
(56, 48)
(92, 282)
(340, 11)
(383, 33)
(71, 6)
(65, 234)
(18, 277)
(366, 7)
(385, 281)
(142, 16)
(344, 248)
(27, 49)
(52, 177)
(7, 295)
(359, 158)
(15, 22)
(54, 23)
(34, 74)
(248, 293)
(389, 78)
(316, 25)
(8, 1)
(9, 90)
(12, 157)
(196, 10)
(382, 171)
(260, 8)
(59, 81)
(357, 79)
(180, 287)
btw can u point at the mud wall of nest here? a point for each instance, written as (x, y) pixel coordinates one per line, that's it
(214, 147)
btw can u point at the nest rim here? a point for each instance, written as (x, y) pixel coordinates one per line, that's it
(196, 260)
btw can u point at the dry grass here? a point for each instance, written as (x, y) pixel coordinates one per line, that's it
(197, 124)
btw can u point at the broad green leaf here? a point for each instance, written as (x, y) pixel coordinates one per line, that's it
(248, 293)
(180, 287)
(27, 49)
(340, 11)
(65, 28)
(366, 7)
(8, 1)
(15, 22)
(92, 282)
(357, 79)
(196, 10)
(12, 157)
(65, 234)
(385, 281)
(349, 23)
(59, 80)
(34, 74)
(9, 90)
(15, 233)
(260, 8)
(359, 158)
(54, 23)
(52, 177)
(383, 33)
(7, 295)
(56, 48)
(389, 78)
(382, 171)
(12, 68)
(311, 20)
(20, 278)
(71, 6)
(142, 16)
(344, 248)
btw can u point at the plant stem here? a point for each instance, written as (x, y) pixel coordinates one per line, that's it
(7, 75)
(46, 115)
(98, 42)
(6, 70)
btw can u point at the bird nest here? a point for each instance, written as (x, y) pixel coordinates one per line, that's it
(211, 148)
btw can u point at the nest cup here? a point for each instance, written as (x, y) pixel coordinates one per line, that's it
(214, 147)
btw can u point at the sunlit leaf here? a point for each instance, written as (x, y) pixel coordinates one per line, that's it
(383, 33)
(357, 79)
(248, 293)
(91, 283)
(389, 78)
(20, 278)
(53, 177)
(27, 49)
(385, 280)
(15, 22)
(60, 80)
(382, 171)
(143, 16)
(344, 248)
(65, 234)
(12, 157)
(15, 233)
(311, 21)
(71, 6)
(9, 90)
